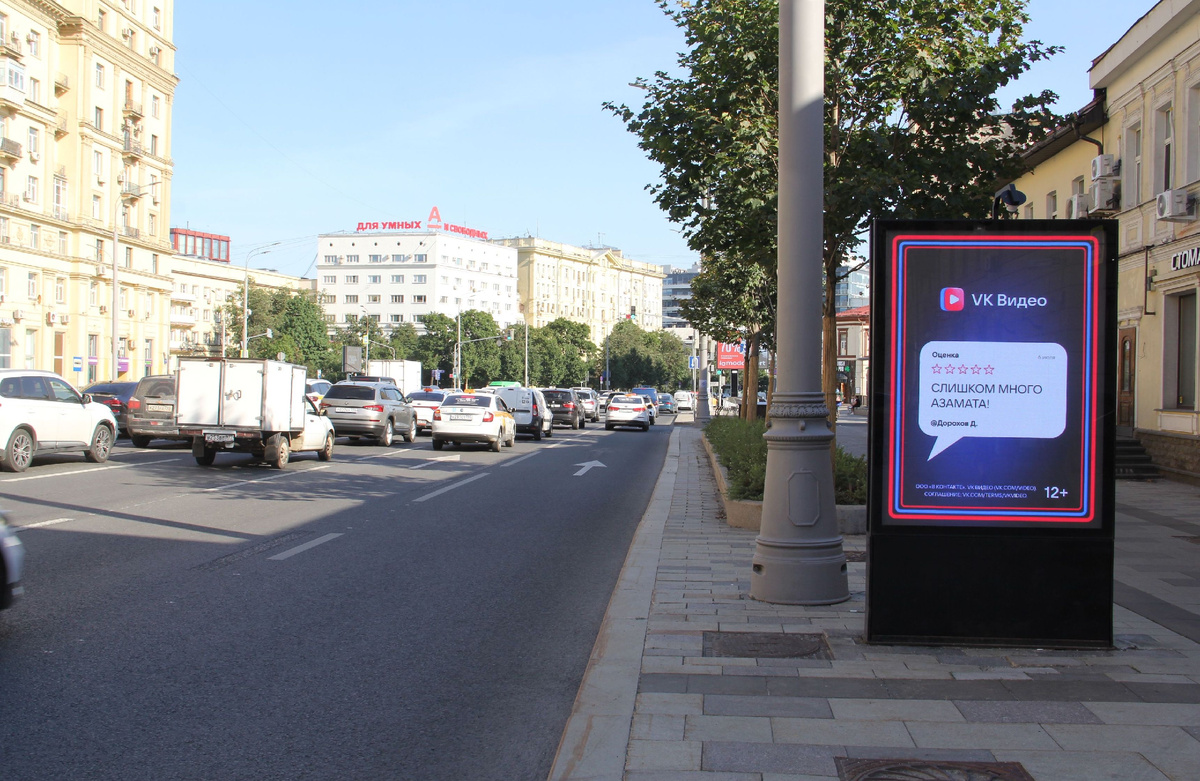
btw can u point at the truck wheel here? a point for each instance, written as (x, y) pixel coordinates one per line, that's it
(139, 441)
(283, 451)
(326, 453)
(437, 444)
(411, 435)
(207, 458)
(385, 438)
(102, 442)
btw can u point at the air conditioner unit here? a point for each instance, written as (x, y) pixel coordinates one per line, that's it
(51, 318)
(154, 50)
(100, 179)
(34, 157)
(18, 315)
(1078, 206)
(64, 319)
(1173, 206)
(28, 198)
(15, 38)
(132, 314)
(126, 32)
(5, 239)
(103, 309)
(149, 315)
(1103, 195)
(1102, 166)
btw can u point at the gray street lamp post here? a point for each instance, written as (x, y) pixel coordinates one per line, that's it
(798, 556)
(245, 351)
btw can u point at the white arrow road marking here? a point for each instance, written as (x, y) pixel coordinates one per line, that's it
(587, 466)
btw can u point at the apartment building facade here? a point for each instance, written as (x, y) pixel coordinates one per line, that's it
(1134, 155)
(597, 286)
(86, 88)
(398, 277)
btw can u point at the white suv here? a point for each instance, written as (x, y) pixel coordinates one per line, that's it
(41, 413)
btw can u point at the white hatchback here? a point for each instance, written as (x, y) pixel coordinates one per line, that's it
(41, 413)
(683, 400)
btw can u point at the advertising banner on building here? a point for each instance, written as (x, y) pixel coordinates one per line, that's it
(731, 356)
(992, 401)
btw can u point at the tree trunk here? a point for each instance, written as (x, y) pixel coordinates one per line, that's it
(749, 407)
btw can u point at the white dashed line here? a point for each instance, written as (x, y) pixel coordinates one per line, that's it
(451, 487)
(287, 554)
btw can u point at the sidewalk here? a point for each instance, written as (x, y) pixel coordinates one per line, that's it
(659, 704)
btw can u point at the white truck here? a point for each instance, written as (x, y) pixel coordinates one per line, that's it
(252, 406)
(407, 374)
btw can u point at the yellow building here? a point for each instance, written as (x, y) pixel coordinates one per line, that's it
(201, 289)
(85, 146)
(595, 286)
(1135, 157)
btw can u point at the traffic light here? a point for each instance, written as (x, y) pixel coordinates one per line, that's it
(508, 337)
(633, 312)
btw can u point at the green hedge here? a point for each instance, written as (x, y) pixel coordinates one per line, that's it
(741, 449)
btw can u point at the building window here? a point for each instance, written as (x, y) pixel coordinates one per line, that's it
(418, 299)
(352, 258)
(154, 106)
(397, 318)
(351, 299)
(154, 145)
(31, 285)
(351, 318)
(371, 299)
(419, 258)
(31, 189)
(98, 119)
(62, 242)
(418, 318)
(1052, 204)
(329, 280)
(99, 75)
(398, 299)
(129, 257)
(1133, 170)
(1165, 130)
(35, 237)
(376, 258)
(154, 263)
(60, 290)
(96, 207)
(156, 19)
(101, 19)
(374, 279)
(35, 43)
(35, 90)
(397, 279)
(352, 280)
(418, 279)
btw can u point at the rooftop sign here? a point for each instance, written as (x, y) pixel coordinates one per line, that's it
(434, 222)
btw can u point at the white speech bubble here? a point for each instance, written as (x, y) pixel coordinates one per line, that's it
(992, 389)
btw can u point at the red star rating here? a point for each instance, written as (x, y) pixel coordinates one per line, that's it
(936, 369)
(988, 369)
(962, 369)
(976, 369)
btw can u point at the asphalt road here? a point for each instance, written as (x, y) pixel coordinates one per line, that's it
(395, 613)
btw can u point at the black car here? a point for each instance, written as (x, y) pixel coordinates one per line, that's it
(151, 413)
(565, 406)
(115, 396)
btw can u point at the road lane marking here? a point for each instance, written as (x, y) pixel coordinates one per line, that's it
(73, 472)
(451, 487)
(263, 479)
(40, 524)
(512, 461)
(434, 461)
(287, 554)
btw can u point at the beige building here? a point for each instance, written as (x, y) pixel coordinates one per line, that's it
(85, 145)
(1135, 157)
(200, 290)
(595, 286)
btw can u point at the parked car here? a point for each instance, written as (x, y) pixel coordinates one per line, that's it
(116, 396)
(41, 413)
(316, 388)
(12, 558)
(152, 410)
(531, 413)
(627, 410)
(474, 417)
(370, 409)
(566, 406)
(424, 402)
(684, 400)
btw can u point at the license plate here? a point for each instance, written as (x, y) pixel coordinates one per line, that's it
(345, 410)
(460, 417)
(159, 407)
(218, 437)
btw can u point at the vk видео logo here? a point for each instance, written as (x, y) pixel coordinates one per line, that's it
(953, 299)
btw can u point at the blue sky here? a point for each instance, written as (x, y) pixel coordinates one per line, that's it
(292, 119)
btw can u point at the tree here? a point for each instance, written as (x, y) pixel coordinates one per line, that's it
(480, 359)
(403, 340)
(574, 339)
(912, 127)
(435, 347)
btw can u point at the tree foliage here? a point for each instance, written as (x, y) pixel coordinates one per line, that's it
(637, 357)
(912, 129)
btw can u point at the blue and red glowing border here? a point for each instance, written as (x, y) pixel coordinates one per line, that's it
(1083, 513)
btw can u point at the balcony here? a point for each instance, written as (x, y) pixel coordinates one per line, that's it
(133, 109)
(131, 190)
(61, 84)
(11, 48)
(60, 126)
(187, 318)
(10, 151)
(130, 233)
(61, 213)
(132, 148)
(180, 295)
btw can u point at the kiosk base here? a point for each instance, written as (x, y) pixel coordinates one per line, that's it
(994, 590)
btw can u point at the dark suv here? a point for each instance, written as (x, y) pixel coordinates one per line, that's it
(152, 410)
(370, 409)
(565, 406)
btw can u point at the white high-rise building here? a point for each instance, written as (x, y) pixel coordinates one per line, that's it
(400, 277)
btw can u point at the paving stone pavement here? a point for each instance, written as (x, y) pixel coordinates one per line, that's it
(1130, 713)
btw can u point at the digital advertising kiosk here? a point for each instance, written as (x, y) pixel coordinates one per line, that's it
(991, 433)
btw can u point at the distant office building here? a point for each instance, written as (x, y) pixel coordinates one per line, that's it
(677, 288)
(194, 244)
(854, 290)
(400, 276)
(597, 286)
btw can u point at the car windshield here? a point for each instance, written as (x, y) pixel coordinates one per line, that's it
(468, 401)
(422, 396)
(156, 388)
(353, 392)
(559, 396)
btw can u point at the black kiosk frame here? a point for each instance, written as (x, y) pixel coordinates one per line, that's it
(991, 499)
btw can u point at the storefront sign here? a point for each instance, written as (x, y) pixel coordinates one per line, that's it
(731, 356)
(1185, 259)
(434, 222)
